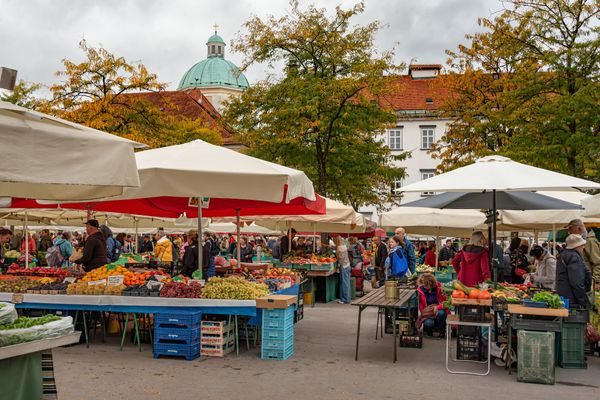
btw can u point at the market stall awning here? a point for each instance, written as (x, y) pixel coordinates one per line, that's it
(50, 158)
(175, 207)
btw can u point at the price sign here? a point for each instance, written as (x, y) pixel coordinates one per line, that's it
(152, 284)
(17, 298)
(115, 280)
(98, 282)
(69, 279)
(160, 278)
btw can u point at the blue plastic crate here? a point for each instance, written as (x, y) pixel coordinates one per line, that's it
(534, 304)
(178, 350)
(278, 323)
(280, 354)
(277, 334)
(277, 344)
(181, 321)
(189, 336)
(278, 313)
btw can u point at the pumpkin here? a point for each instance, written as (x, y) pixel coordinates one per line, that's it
(474, 294)
(458, 294)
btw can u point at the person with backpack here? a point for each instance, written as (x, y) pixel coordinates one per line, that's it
(113, 250)
(58, 255)
(396, 264)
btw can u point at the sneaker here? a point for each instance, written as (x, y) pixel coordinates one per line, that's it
(442, 335)
(340, 302)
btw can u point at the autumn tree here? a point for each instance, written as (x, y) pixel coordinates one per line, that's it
(100, 92)
(23, 94)
(320, 114)
(527, 87)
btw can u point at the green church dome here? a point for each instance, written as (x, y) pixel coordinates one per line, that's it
(215, 70)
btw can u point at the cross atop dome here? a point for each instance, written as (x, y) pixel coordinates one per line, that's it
(215, 45)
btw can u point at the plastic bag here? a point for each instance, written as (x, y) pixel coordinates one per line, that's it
(61, 327)
(8, 313)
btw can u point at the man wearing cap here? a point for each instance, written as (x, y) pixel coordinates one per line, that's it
(94, 249)
(571, 274)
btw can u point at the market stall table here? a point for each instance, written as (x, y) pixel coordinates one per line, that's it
(21, 366)
(377, 299)
(327, 277)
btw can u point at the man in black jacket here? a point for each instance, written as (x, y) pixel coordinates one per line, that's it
(381, 253)
(94, 249)
(447, 252)
(571, 274)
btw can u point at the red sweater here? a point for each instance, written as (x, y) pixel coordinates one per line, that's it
(430, 258)
(472, 265)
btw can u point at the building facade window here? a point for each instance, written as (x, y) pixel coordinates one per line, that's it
(396, 186)
(212, 49)
(395, 138)
(426, 174)
(427, 137)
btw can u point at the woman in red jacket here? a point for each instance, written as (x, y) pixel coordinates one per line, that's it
(431, 299)
(430, 255)
(472, 262)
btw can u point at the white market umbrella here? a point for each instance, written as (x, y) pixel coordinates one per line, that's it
(592, 206)
(434, 221)
(338, 218)
(200, 169)
(496, 173)
(500, 174)
(50, 158)
(246, 229)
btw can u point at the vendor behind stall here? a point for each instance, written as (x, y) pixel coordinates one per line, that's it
(545, 268)
(94, 249)
(431, 308)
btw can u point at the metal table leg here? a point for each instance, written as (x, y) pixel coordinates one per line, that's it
(395, 332)
(124, 330)
(360, 310)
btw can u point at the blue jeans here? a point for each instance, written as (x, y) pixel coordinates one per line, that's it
(440, 322)
(345, 284)
(211, 268)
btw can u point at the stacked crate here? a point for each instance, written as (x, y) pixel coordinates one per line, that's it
(277, 326)
(177, 334)
(278, 333)
(218, 338)
(572, 338)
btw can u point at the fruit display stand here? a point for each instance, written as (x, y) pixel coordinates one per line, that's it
(21, 366)
(533, 319)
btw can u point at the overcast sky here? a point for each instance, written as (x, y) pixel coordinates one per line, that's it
(169, 36)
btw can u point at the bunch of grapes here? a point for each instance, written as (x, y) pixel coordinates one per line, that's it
(234, 287)
(181, 290)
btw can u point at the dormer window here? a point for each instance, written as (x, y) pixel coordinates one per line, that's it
(429, 100)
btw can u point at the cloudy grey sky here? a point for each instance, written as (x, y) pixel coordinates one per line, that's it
(169, 36)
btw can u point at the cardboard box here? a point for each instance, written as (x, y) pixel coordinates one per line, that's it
(274, 301)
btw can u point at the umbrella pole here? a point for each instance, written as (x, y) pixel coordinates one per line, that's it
(200, 243)
(493, 246)
(26, 237)
(554, 239)
(437, 248)
(237, 231)
(314, 237)
(289, 233)
(136, 235)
